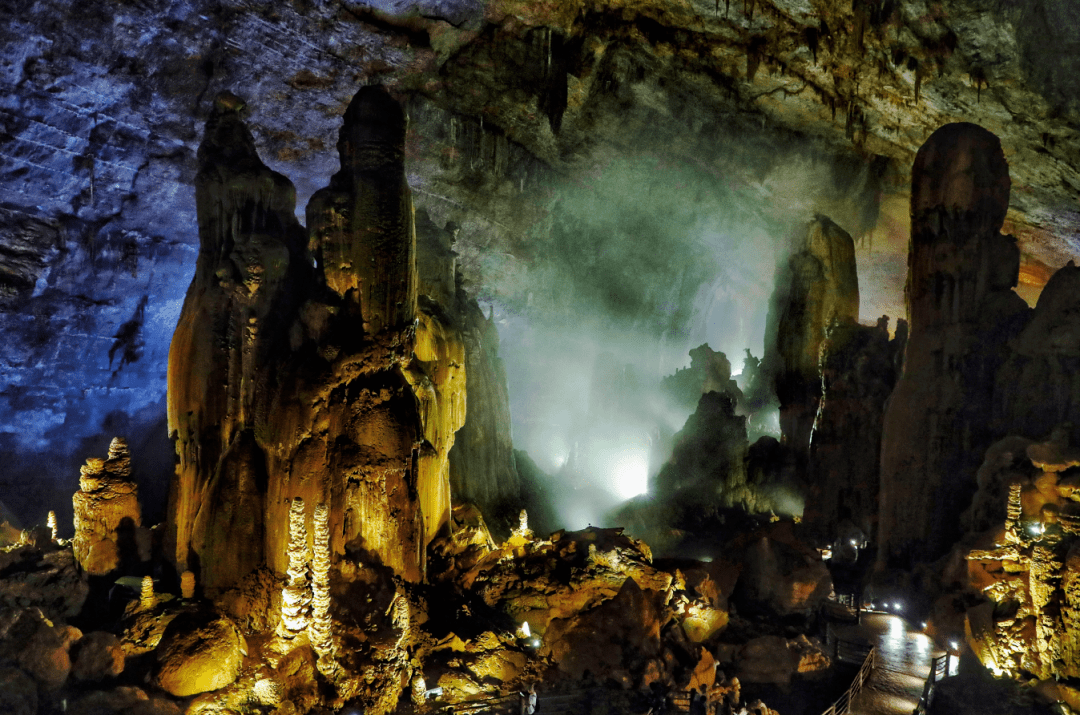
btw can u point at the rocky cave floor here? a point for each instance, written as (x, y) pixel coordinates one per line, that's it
(610, 629)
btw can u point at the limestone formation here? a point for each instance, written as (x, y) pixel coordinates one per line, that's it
(319, 629)
(296, 596)
(51, 523)
(817, 287)
(962, 313)
(233, 325)
(708, 460)
(106, 512)
(483, 469)
(304, 368)
(199, 659)
(98, 655)
(858, 374)
(147, 600)
(187, 585)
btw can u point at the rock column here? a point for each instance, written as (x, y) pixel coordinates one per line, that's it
(816, 288)
(961, 271)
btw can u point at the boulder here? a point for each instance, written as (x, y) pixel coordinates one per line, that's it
(97, 656)
(43, 648)
(619, 635)
(197, 660)
(781, 580)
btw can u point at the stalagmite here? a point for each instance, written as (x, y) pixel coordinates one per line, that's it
(187, 585)
(402, 620)
(51, 523)
(296, 596)
(963, 313)
(106, 512)
(817, 287)
(147, 599)
(319, 630)
(419, 691)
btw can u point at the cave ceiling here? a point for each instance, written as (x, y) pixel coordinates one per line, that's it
(513, 103)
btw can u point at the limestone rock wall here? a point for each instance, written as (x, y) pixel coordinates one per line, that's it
(962, 311)
(817, 286)
(302, 368)
(1038, 387)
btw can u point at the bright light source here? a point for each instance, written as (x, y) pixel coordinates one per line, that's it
(630, 472)
(923, 626)
(525, 632)
(897, 606)
(854, 542)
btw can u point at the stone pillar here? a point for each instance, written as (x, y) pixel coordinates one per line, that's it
(106, 512)
(233, 328)
(962, 310)
(818, 286)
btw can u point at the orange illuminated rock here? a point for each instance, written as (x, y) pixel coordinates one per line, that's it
(301, 366)
(106, 512)
(194, 660)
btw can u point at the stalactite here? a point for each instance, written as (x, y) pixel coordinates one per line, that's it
(147, 600)
(319, 631)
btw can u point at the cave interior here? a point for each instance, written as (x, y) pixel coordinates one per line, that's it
(498, 356)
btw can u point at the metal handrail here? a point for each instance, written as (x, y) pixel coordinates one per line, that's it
(843, 703)
(928, 687)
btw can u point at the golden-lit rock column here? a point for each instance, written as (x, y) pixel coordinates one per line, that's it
(319, 630)
(106, 511)
(51, 523)
(147, 599)
(233, 330)
(362, 234)
(296, 596)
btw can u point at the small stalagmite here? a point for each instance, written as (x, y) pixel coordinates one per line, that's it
(51, 523)
(106, 512)
(187, 585)
(147, 599)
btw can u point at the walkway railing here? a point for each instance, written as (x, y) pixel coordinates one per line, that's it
(843, 703)
(938, 669)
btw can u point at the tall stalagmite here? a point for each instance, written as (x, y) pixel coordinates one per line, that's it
(961, 271)
(233, 328)
(815, 288)
(345, 394)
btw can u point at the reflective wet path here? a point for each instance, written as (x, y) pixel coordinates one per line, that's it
(903, 662)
